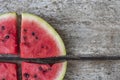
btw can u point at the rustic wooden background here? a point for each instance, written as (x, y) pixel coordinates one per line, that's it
(88, 27)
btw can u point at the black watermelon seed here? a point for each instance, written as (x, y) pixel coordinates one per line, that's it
(25, 30)
(24, 37)
(3, 79)
(33, 33)
(27, 44)
(36, 37)
(51, 65)
(45, 71)
(42, 46)
(26, 75)
(46, 47)
(35, 76)
(7, 37)
(3, 27)
(3, 40)
(40, 68)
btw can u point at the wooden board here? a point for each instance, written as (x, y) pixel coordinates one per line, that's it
(88, 27)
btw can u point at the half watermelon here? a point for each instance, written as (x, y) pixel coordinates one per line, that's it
(40, 40)
(8, 34)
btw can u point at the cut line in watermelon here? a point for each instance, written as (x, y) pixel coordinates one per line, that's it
(40, 40)
(8, 34)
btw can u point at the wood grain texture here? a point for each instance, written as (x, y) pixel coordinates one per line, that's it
(93, 70)
(88, 27)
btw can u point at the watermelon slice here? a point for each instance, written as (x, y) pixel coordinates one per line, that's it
(40, 40)
(8, 71)
(8, 34)
(31, 71)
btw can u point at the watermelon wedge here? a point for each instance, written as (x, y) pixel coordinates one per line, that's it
(32, 71)
(40, 40)
(8, 71)
(8, 34)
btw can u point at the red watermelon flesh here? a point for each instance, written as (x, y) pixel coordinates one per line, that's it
(8, 34)
(32, 71)
(8, 71)
(39, 39)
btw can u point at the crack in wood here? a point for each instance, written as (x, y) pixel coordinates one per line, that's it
(57, 59)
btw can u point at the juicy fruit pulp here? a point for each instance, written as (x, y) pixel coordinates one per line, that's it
(8, 34)
(39, 40)
(35, 42)
(8, 71)
(31, 71)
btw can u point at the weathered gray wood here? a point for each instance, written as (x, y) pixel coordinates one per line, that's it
(93, 70)
(86, 26)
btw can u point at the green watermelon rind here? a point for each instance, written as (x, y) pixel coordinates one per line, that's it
(52, 31)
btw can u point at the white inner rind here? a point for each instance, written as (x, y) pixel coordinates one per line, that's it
(52, 32)
(61, 73)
